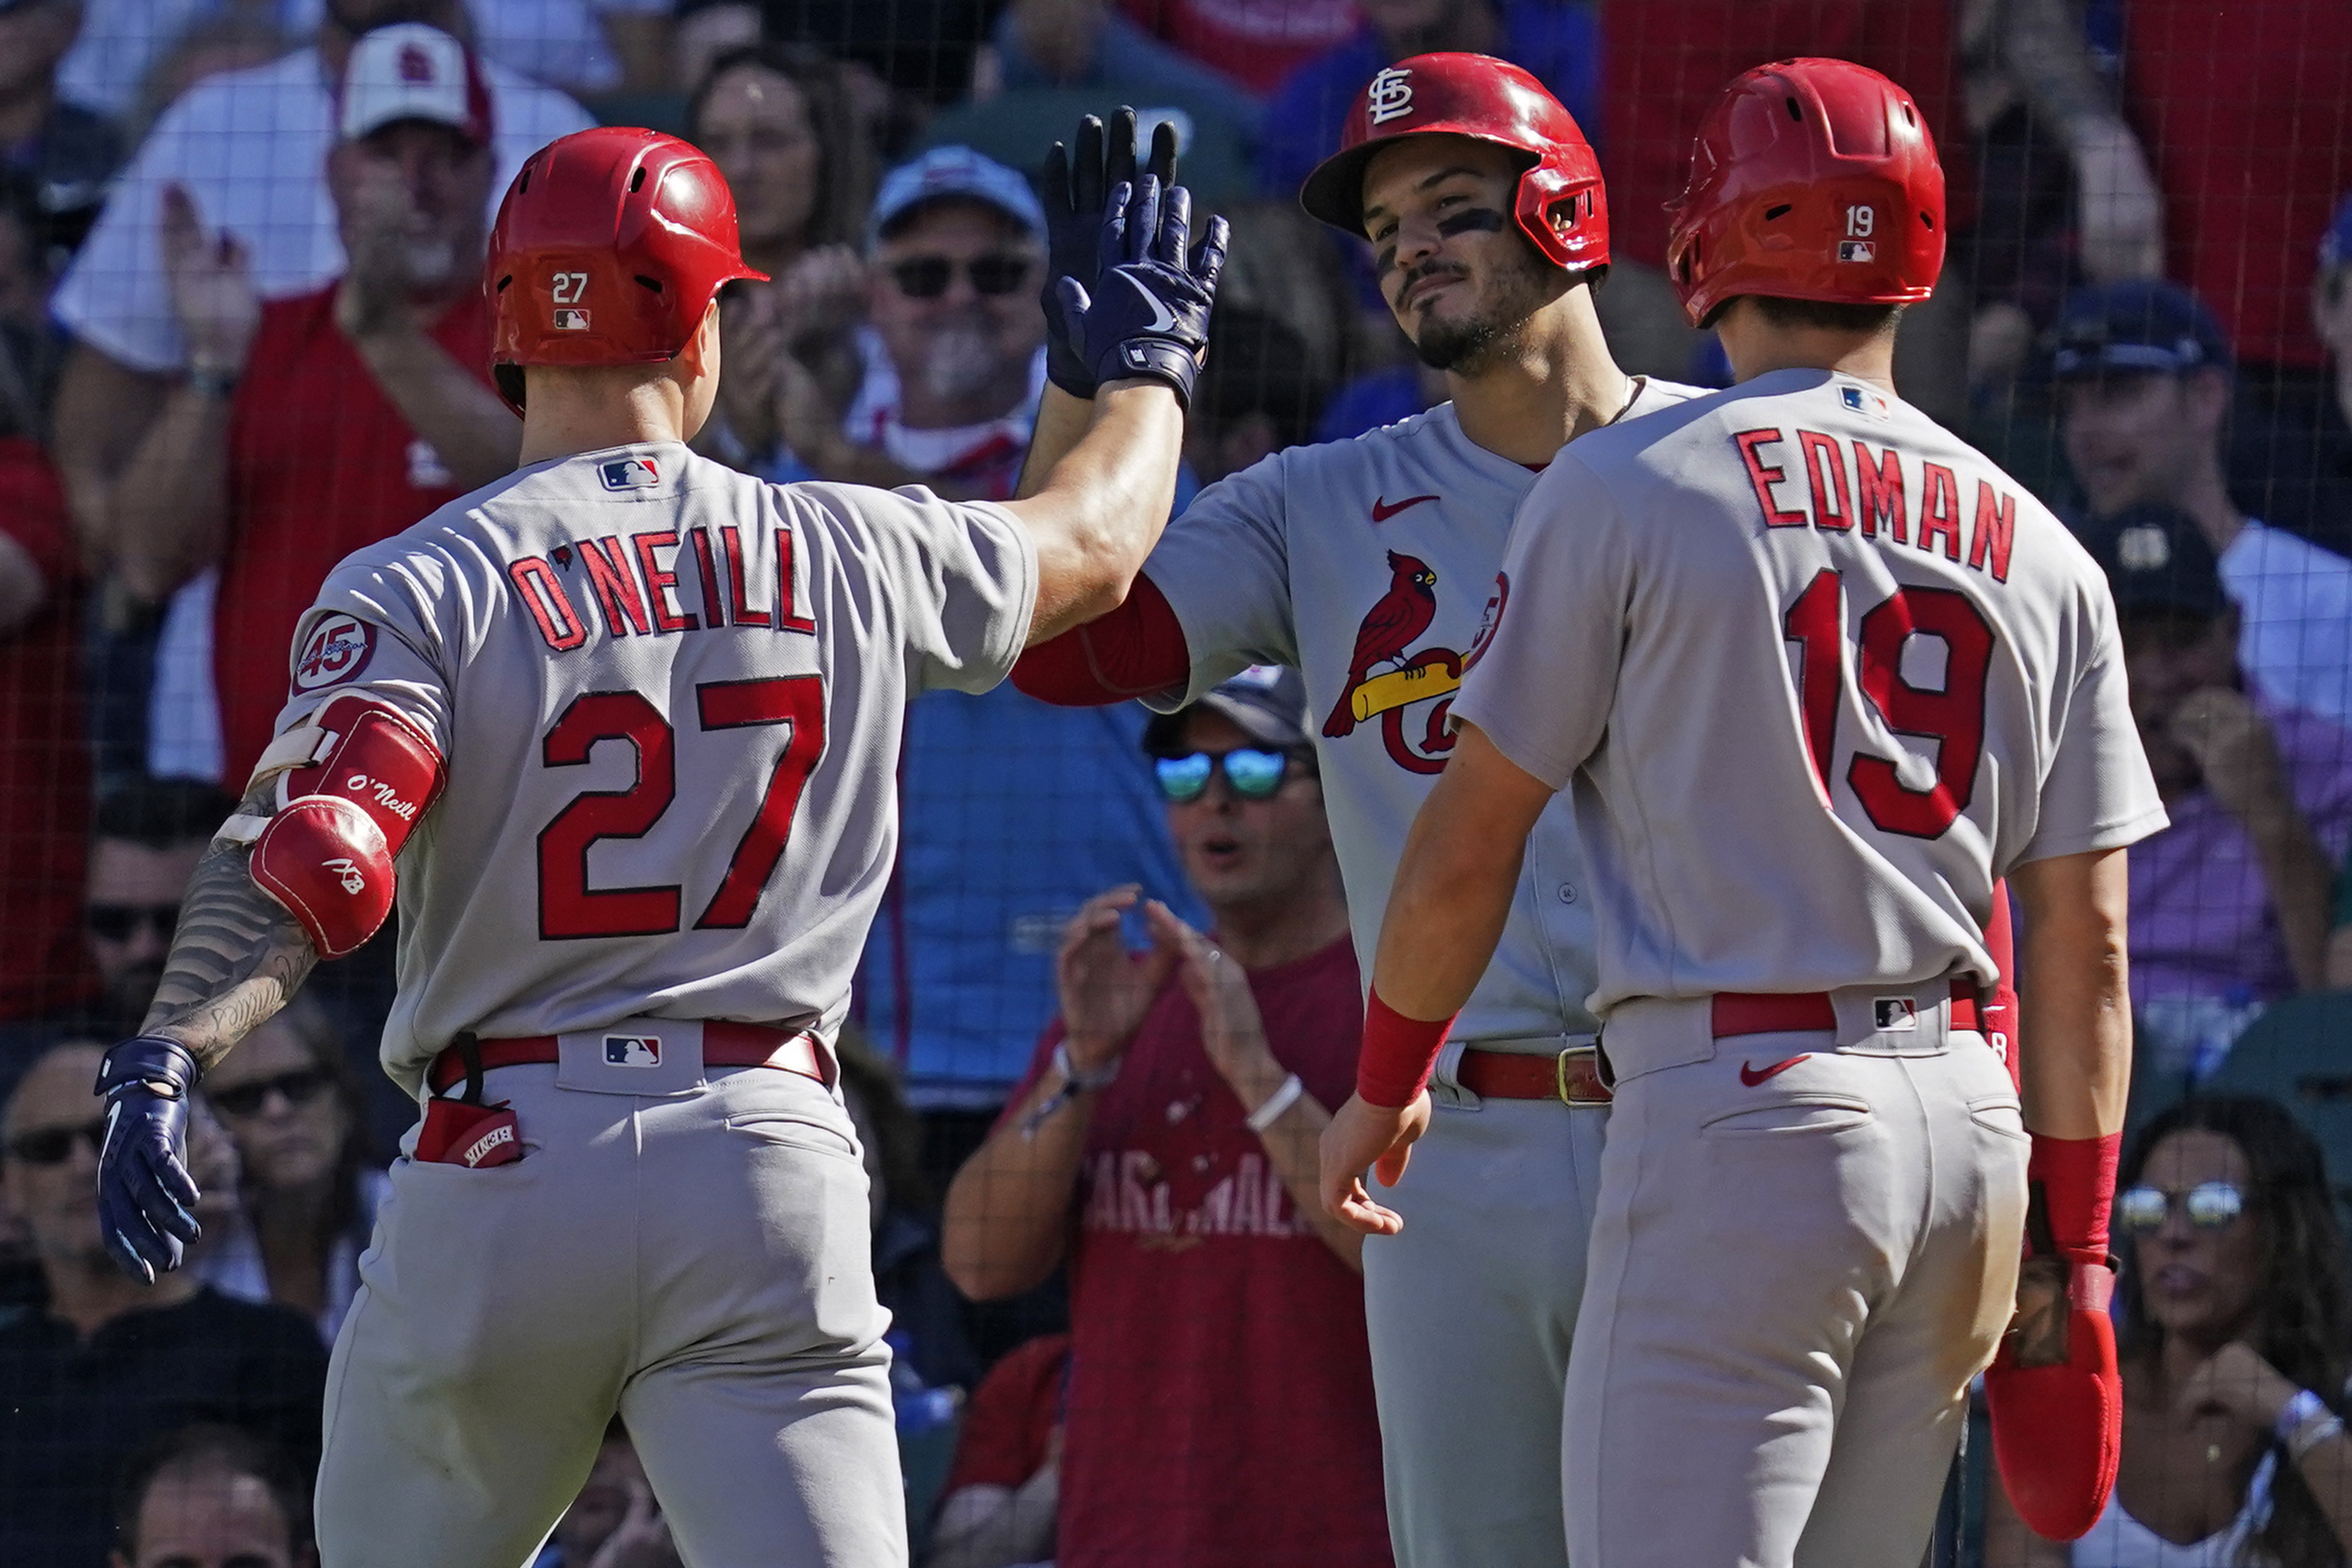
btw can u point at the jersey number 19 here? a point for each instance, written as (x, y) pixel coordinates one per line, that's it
(1952, 717)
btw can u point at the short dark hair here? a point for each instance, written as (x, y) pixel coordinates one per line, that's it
(1830, 315)
(209, 1449)
(162, 813)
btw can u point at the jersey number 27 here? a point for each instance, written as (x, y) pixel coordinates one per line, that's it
(1953, 717)
(568, 906)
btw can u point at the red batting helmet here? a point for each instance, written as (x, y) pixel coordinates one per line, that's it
(1561, 206)
(608, 249)
(1811, 179)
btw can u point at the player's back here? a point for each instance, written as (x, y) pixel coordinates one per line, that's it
(1849, 666)
(671, 697)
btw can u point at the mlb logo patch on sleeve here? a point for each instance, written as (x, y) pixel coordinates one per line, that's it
(632, 1050)
(630, 474)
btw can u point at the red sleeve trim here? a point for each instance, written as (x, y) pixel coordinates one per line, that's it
(1137, 651)
(1399, 1054)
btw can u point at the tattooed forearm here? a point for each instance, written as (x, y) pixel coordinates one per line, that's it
(236, 958)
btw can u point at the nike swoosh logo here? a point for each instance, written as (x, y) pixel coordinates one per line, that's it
(1383, 510)
(1163, 318)
(1751, 1077)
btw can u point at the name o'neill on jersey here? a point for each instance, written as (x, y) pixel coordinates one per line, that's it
(1412, 675)
(337, 650)
(632, 583)
(1842, 486)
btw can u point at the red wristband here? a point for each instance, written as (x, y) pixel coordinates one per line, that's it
(2077, 1181)
(1399, 1054)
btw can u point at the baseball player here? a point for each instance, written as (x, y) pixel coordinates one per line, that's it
(1820, 674)
(634, 718)
(1370, 566)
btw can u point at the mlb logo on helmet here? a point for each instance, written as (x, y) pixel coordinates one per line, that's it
(570, 321)
(1857, 250)
(630, 474)
(632, 1050)
(1390, 95)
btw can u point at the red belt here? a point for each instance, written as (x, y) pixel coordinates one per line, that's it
(724, 1045)
(1770, 1013)
(1572, 1077)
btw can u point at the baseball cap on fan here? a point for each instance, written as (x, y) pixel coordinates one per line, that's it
(2156, 558)
(2143, 326)
(1267, 701)
(959, 171)
(410, 71)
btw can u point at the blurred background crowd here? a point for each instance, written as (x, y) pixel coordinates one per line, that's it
(242, 333)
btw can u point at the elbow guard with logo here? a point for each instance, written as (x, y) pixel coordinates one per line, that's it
(352, 784)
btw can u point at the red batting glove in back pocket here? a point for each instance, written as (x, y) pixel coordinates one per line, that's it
(457, 1133)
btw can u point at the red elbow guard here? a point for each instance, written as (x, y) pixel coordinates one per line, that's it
(326, 860)
(364, 751)
(352, 784)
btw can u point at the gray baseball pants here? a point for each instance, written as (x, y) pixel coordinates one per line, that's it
(1794, 1276)
(1471, 1310)
(698, 1262)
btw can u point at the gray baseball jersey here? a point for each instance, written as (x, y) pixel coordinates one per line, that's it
(1369, 566)
(1821, 673)
(670, 697)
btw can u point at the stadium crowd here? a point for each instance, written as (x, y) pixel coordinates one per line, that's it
(242, 333)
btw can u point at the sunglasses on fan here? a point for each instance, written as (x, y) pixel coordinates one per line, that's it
(297, 1087)
(928, 277)
(1253, 774)
(2208, 1204)
(120, 923)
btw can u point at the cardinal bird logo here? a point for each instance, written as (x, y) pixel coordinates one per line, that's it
(1403, 613)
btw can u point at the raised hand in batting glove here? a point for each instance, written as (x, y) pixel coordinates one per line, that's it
(1147, 314)
(1076, 183)
(145, 1192)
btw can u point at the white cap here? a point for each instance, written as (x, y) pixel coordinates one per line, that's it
(410, 71)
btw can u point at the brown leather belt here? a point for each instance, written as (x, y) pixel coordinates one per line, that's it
(1572, 1077)
(1781, 1013)
(724, 1045)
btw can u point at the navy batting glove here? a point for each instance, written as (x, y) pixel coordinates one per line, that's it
(1076, 179)
(145, 1192)
(1148, 315)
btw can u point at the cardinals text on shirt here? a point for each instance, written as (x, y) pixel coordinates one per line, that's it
(1805, 478)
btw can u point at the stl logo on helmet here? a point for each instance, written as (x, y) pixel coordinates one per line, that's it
(337, 649)
(1390, 95)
